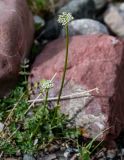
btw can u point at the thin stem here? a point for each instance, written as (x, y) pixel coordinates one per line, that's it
(45, 102)
(32, 103)
(65, 64)
(39, 123)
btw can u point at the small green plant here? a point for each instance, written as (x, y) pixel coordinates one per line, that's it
(24, 71)
(87, 149)
(28, 129)
(26, 132)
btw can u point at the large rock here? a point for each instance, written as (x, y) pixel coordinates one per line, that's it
(83, 8)
(16, 36)
(115, 21)
(85, 27)
(94, 61)
(120, 7)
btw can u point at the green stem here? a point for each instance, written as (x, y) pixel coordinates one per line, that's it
(38, 125)
(65, 64)
(46, 98)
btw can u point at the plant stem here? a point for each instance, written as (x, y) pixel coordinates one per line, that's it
(65, 64)
(39, 123)
(45, 102)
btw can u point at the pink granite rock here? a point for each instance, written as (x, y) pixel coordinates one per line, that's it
(16, 36)
(94, 61)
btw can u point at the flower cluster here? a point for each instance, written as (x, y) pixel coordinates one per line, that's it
(46, 84)
(65, 18)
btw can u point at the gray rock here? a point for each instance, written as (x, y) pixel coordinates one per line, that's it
(28, 157)
(39, 21)
(122, 151)
(1, 127)
(111, 153)
(100, 3)
(115, 21)
(85, 27)
(51, 31)
(50, 157)
(83, 8)
(120, 7)
(101, 155)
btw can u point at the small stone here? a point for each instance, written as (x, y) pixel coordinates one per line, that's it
(30, 113)
(53, 148)
(18, 153)
(122, 7)
(28, 157)
(111, 153)
(101, 154)
(35, 142)
(50, 157)
(66, 154)
(1, 127)
(100, 3)
(70, 151)
(39, 22)
(115, 24)
(122, 151)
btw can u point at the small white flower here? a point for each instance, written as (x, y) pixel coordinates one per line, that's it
(65, 18)
(47, 84)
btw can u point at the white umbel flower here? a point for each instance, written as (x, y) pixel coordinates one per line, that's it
(47, 84)
(65, 18)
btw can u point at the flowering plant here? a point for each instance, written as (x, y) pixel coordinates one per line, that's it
(65, 18)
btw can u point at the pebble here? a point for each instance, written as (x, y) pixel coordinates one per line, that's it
(70, 151)
(39, 21)
(115, 24)
(53, 148)
(50, 157)
(28, 157)
(101, 154)
(111, 153)
(122, 151)
(1, 127)
(100, 3)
